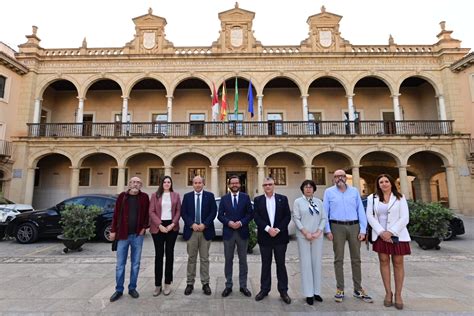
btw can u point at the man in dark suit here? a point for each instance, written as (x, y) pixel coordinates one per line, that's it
(235, 213)
(198, 211)
(272, 216)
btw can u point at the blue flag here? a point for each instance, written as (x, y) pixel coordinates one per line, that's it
(250, 99)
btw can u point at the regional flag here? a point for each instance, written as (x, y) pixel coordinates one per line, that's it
(223, 104)
(236, 100)
(215, 103)
(250, 99)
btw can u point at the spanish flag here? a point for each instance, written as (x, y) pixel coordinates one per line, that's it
(223, 104)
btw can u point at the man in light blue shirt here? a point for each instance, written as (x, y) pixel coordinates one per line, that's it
(346, 222)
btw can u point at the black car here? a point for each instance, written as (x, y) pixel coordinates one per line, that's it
(27, 227)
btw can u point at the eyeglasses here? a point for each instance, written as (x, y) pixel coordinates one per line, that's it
(267, 184)
(340, 176)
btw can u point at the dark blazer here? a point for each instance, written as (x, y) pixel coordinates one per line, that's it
(244, 214)
(282, 219)
(208, 214)
(155, 212)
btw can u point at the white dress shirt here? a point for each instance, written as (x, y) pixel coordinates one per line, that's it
(271, 210)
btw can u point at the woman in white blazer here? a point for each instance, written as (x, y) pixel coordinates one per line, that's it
(310, 219)
(387, 214)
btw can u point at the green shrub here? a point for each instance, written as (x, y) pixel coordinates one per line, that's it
(428, 219)
(78, 222)
(253, 236)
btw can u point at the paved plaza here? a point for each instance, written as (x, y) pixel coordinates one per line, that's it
(37, 279)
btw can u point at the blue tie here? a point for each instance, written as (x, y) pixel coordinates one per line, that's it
(198, 209)
(235, 202)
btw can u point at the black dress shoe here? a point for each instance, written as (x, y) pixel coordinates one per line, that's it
(226, 292)
(245, 291)
(318, 298)
(285, 298)
(206, 289)
(310, 300)
(115, 296)
(260, 296)
(189, 289)
(133, 293)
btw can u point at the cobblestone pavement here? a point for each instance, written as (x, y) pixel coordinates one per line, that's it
(38, 279)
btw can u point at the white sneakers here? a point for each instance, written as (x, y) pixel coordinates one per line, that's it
(167, 289)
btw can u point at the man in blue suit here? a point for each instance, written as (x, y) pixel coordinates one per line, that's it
(198, 211)
(235, 213)
(272, 216)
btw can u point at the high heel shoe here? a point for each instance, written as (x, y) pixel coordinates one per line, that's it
(398, 305)
(388, 303)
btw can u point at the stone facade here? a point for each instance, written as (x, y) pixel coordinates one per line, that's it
(88, 118)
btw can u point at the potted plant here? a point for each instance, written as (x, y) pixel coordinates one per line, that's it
(78, 224)
(428, 223)
(253, 236)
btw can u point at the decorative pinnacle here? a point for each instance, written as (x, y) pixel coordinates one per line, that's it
(323, 9)
(150, 11)
(443, 25)
(236, 5)
(35, 29)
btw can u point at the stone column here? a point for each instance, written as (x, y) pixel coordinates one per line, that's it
(121, 180)
(261, 176)
(308, 175)
(170, 107)
(168, 170)
(80, 111)
(425, 189)
(37, 111)
(260, 107)
(74, 184)
(215, 179)
(30, 186)
(404, 185)
(451, 183)
(396, 107)
(304, 99)
(356, 177)
(125, 129)
(442, 107)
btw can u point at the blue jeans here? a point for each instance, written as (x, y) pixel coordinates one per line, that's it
(136, 243)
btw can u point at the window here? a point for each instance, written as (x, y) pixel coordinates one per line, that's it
(318, 175)
(356, 122)
(84, 177)
(235, 123)
(155, 175)
(192, 172)
(3, 84)
(278, 175)
(160, 123)
(114, 176)
(314, 124)
(196, 126)
(275, 126)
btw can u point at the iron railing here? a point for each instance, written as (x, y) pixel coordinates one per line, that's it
(5, 149)
(241, 128)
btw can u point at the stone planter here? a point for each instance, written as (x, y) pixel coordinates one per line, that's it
(427, 242)
(72, 244)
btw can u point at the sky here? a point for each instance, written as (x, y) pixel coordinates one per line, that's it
(108, 23)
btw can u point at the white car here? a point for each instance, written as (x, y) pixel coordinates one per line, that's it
(218, 224)
(7, 204)
(6, 216)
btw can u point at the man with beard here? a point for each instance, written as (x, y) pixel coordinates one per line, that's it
(235, 213)
(347, 222)
(130, 220)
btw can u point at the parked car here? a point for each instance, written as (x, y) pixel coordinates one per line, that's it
(218, 224)
(6, 216)
(27, 227)
(7, 204)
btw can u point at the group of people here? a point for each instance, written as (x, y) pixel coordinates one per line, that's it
(341, 217)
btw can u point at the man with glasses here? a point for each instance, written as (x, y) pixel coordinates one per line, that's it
(272, 216)
(347, 222)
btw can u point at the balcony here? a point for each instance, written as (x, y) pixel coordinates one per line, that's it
(5, 150)
(242, 129)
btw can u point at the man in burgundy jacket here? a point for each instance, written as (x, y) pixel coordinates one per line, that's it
(128, 226)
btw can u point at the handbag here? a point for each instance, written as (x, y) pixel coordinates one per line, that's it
(368, 235)
(119, 220)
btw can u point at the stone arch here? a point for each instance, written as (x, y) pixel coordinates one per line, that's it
(443, 155)
(344, 152)
(131, 83)
(240, 149)
(287, 75)
(126, 157)
(79, 159)
(291, 150)
(46, 82)
(90, 81)
(35, 157)
(178, 80)
(434, 82)
(392, 152)
(379, 75)
(188, 150)
(339, 78)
